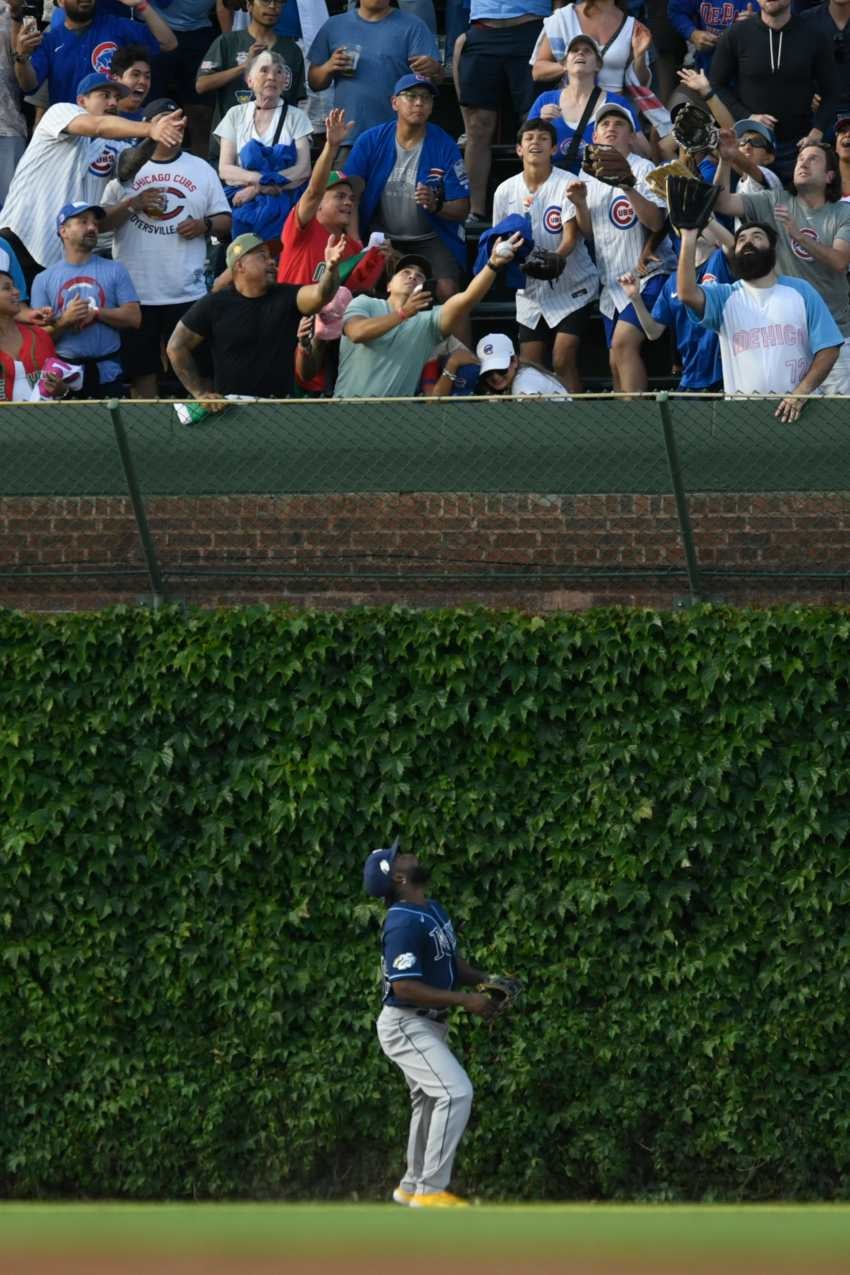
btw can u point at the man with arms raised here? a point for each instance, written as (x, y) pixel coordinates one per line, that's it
(813, 228)
(776, 335)
(251, 326)
(73, 153)
(386, 344)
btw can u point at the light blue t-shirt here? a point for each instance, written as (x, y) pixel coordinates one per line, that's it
(105, 282)
(188, 15)
(391, 365)
(486, 9)
(386, 48)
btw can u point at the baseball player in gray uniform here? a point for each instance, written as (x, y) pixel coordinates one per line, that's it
(422, 972)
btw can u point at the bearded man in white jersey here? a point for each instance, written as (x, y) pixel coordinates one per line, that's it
(776, 334)
(551, 315)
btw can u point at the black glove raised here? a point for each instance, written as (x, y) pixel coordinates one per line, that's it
(694, 129)
(543, 264)
(691, 203)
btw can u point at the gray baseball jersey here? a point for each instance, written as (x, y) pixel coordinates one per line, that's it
(823, 225)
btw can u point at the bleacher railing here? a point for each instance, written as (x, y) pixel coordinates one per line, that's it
(683, 453)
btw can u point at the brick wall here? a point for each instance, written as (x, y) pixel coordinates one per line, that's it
(529, 551)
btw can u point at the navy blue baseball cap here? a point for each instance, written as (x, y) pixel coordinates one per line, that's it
(414, 82)
(378, 871)
(97, 80)
(67, 211)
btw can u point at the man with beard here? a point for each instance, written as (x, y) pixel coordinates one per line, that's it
(84, 42)
(251, 327)
(92, 300)
(813, 228)
(422, 971)
(776, 334)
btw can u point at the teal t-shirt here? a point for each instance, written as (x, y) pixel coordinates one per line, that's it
(391, 365)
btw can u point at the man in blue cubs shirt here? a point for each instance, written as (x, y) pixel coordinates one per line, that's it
(422, 971)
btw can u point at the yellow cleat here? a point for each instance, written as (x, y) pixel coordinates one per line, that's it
(400, 1196)
(438, 1200)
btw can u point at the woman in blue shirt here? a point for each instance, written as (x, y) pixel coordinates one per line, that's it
(565, 106)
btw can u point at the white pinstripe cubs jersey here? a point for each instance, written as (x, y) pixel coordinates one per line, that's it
(618, 236)
(56, 168)
(548, 208)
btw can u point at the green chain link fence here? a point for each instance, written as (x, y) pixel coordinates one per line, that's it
(684, 454)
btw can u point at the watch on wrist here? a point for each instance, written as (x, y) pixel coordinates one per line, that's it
(22, 58)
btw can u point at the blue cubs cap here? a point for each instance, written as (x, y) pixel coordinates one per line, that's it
(756, 126)
(414, 82)
(378, 871)
(97, 80)
(76, 210)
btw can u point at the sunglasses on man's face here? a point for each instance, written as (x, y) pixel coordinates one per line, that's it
(757, 143)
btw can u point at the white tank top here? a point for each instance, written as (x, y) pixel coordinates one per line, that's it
(563, 26)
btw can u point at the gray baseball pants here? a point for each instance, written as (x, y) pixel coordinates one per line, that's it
(440, 1095)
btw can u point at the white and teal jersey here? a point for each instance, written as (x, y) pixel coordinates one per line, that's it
(768, 336)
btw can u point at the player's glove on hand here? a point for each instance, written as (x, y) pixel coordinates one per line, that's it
(543, 264)
(694, 129)
(691, 203)
(606, 164)
(502, 990)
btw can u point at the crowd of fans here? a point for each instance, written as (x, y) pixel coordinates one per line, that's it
(250, 198)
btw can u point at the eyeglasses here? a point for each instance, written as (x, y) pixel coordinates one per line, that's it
(756, 143)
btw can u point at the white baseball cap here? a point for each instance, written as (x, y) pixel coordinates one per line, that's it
(494, 353)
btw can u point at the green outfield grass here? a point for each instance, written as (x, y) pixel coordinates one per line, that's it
(813, 1233)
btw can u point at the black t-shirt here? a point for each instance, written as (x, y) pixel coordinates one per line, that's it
(252, 339)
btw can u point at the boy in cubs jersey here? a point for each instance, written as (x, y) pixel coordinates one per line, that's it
(618, 218)
(551, 315)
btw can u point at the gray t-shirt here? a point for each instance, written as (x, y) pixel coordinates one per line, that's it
(391, 365)
(825, 225)
(400, 215)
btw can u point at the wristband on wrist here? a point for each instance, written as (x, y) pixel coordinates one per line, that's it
(450, 376)
(495, 269)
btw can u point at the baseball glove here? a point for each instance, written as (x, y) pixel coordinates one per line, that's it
(691, 203)
(657, 179)
(543, 264)
(694, 129)
(606, 164)
(502, 990)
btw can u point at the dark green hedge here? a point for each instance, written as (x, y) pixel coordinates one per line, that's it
(644, 815)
